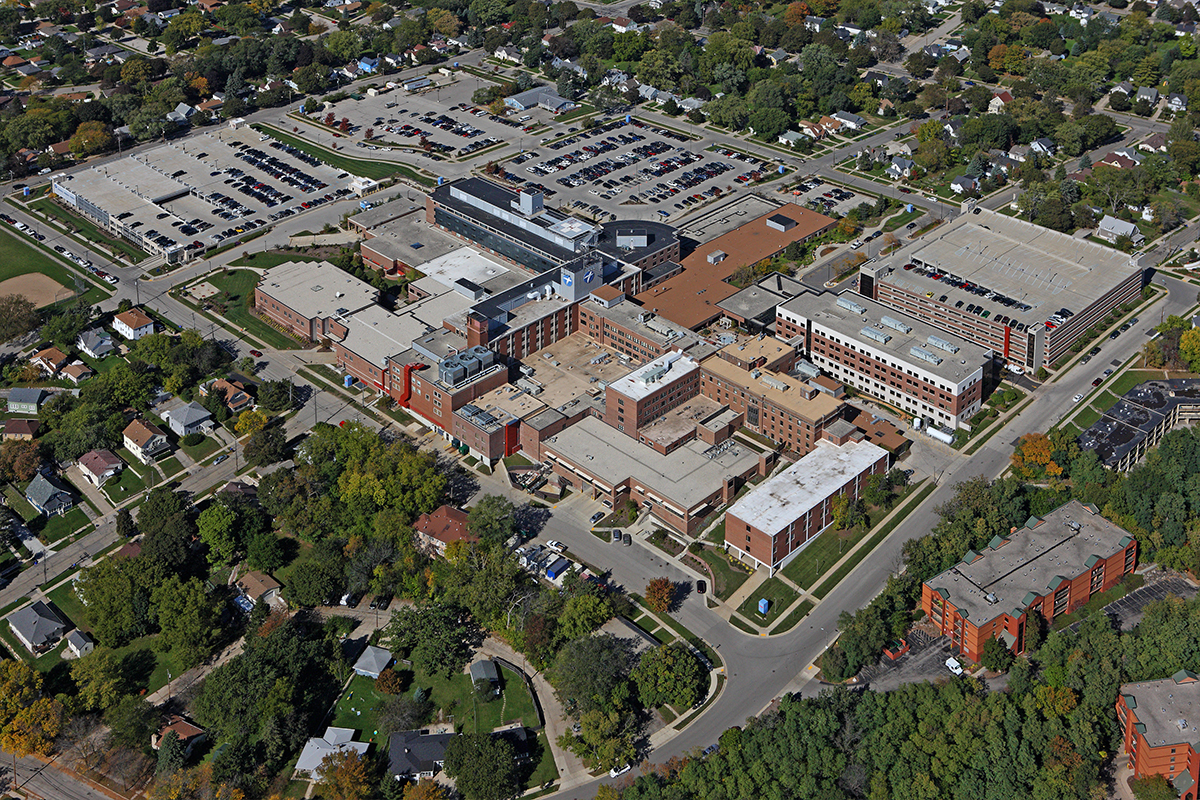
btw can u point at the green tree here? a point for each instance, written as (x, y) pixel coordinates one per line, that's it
(171, 756)
(995, 657)
(189, 619)
(482, 766)
(265, 552)
(431, 635)
(266, 446)
(97, 678)
(669, 674)
(592, 672)
(312, 583)
(219, 529)
(17, 316)
(116, 601)
(132, 721)
(492, 519)
(126, 529)
(583, 614)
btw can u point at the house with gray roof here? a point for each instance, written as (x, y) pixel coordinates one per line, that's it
(373, 661)
(335, 740)
(1149, 94)
(25, 401)
(192, 418)
(413, 755)
(95, 343)
(1110, 229)
(37, 627)
(485, 670)
(47, 496)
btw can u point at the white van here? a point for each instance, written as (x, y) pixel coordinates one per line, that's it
(526, 118)
(953, 665)
(1015, 369)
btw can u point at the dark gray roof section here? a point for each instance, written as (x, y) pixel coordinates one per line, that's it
(658, 235)
(190, 414)
(1126, 426)
(414, 752)
(41, 489)
(37, 624)
(485, 670)
(23, 395)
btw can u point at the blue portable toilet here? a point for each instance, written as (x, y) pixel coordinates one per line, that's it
(25, 191)
(456, 65)
(628, 119)
(440, 180)
(763, 605)
(348, 381)
(782, 169)
(908, 208)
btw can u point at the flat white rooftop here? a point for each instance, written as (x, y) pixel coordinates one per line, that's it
(317, 289)
(781, 500)
(654, 375)
(465, 263)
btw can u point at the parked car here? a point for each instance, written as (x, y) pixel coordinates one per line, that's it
(599, 515)
(953, 665)
(701, 587)
(627, 540)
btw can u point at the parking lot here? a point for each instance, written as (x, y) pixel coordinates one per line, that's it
(828, 198)
(444, 117)
(628, 170)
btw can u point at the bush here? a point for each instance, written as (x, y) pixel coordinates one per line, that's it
(192, 439)
(389, 682)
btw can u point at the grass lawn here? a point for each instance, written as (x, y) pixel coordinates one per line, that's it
(129, 483)
(517, 460)
(1086, 418)
(514, 703)
(1099, 601)
(88, 230)
(777, 592)
(147, 667)
(133, 464)
(68, 604)
(1127, 380)
(903, 219)
(358, 708)
(60, 526)
(240, 283)
(726, 577)
(170, 466)
(820, 555)
(376, 170)
(43, 663)
(545, 771)
(18, 503)
(101, 365)
(793, 618)
(19, 258)
(203, 450)
(269, 260)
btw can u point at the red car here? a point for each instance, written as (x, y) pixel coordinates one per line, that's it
(256, 353)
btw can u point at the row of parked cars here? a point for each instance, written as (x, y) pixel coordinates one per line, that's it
(588, 152)
(58, 248)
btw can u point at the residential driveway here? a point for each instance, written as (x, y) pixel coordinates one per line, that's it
(75, 475)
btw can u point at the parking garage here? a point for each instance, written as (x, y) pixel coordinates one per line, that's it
(180, 199)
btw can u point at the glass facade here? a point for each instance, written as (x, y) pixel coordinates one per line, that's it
(493, 241)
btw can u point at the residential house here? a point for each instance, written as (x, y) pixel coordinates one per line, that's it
(625, 25)
(145, 440)
(190, 734)
(1110, 229)
(999, 101)
(852, 121)
(830, 124)
(258, 587)
(37, 627)
(192, 418)
(209, 6)
(894, 148)
(79, 644)
(1154, 143)
(814, 23)
(133, 324)
(335, 740)
(98, 466)
(900, 168)
(1149, 94)
(964, 184)
(47, 496)
(25, 401)
(212, 107)
(961, 55)
(95, 344)
(241, 489)
(878, 78)
(485, 670)
(368, 64)
(886, 108)
(811, 129)
(437, 530)
(1177, 103)
(507, 54)
(778, 56)
(373, 661)
(1124, 87)
(237, 399)
(1043, 146)
(50, 360)
(21, 430)
(1117, 161)
(413, 755)
(77, 372)
(1019, 152)
(792, 138)
(953, 128)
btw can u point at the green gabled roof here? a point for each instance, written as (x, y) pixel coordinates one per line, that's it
(1130, 700)
(1029, 598)
(1183, 781)
(970, 556)
(1033, 522)
(1184, 675)
(996, 542)
(1125, 540)
(1140, 727)
(1091, 561)
(1092, 507)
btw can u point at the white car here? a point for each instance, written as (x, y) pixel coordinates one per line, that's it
(616, 771)
(953, 665)
(556, 546)
(1077, 398)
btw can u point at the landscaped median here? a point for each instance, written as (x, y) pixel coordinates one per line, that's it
(364, 168)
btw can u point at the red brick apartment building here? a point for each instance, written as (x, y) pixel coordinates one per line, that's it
(785, 409)
(1051, 566)
(903, 361)
(1159, 724)
(774, 520)
(997, 281)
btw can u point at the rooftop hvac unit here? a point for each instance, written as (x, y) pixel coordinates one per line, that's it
(452, 371)
(878, 336)
(895, 324)
(942, 344)
(486, 357)
(851, 306)
(924, 355)
(472, 364)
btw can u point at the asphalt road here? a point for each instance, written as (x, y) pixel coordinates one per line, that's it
(35, 779)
